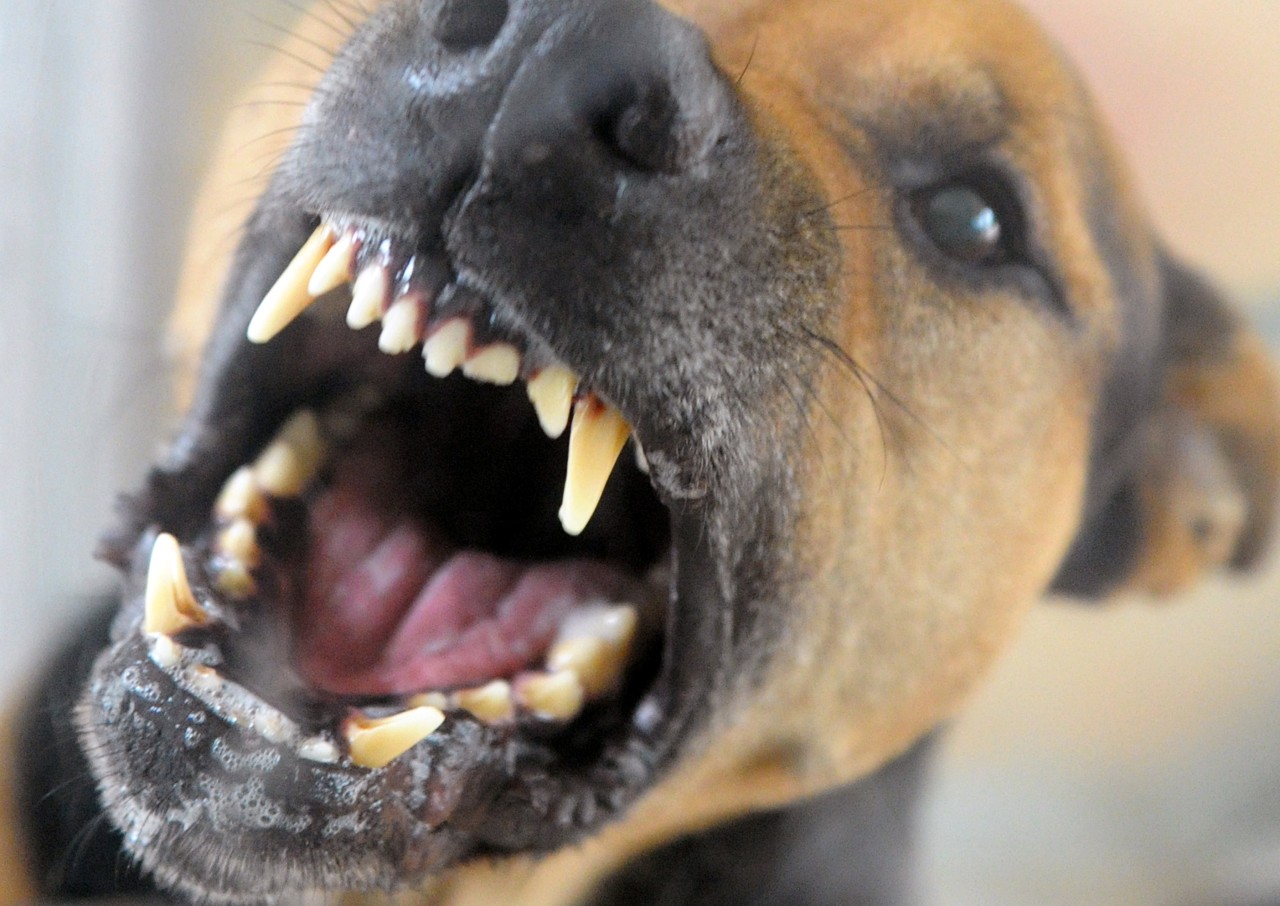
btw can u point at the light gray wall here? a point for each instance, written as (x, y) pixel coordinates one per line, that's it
(107, 111)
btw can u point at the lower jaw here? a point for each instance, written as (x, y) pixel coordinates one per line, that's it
(526, 759)
(234, 806)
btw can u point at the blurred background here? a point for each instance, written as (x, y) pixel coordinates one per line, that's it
(1125, 756)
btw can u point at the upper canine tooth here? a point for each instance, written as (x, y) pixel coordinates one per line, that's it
(400, 326)
(498, 363)
(551, 392)
(368, 296)
(598, 435)
(375, 743)
(446, 349)
(169, 607)
(288, 464)
(335, 267)
(290, 296)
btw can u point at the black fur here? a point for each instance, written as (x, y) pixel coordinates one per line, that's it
(850, 847)
(75, 851)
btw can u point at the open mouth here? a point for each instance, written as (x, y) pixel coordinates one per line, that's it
(411, 526)
(446, 570)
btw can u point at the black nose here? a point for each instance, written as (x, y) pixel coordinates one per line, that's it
(463, 25)
(619, 83)
(565, 97)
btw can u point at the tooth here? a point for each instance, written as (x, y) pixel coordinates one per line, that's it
(437, 700)
(169, 605)
(335, 267)
(399, 326)
(367, 296)
(596, 664)
(241, 498)
(375, 743)
(551, 392)
(498, 363)
(613, 623)
(446, 349)
(165, 652)
(272, 726)
(290, 296)
(292, 460)
(319, 750)
(598, 434)
(594, 643)
(490, 703)
(235, 580)
(555, 696)
(642, 461)
(239, 542)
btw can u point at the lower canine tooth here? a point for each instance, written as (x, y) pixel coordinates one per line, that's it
(290, 296)
(551, 392)
(399, 327)
(377, 743)
(292, 460)
(555, 696)
(598, 435)
(368, 295)
(490, 703)
(497, 364)
(446, 349)
(169, 606)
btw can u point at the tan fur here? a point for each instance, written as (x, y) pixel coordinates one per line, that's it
(995, 450)
(15, 885)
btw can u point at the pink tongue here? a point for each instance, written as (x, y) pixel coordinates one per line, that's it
(389, 607)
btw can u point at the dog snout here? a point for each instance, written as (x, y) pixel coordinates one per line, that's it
(571, 94)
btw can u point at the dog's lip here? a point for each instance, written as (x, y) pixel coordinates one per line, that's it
(646, 737)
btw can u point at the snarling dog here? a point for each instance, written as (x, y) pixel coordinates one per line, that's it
(778, 358)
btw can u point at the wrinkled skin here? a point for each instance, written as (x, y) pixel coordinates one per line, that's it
(875, 454)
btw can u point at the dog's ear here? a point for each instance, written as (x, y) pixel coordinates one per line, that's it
(1200, 490)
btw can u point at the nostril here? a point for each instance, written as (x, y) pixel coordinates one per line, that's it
(467, 24)
(645, 131)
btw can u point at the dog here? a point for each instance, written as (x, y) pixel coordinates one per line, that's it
(626, 432)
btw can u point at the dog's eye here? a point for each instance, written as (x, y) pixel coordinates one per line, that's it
(964, 223)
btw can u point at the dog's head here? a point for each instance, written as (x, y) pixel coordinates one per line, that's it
(894, 347)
